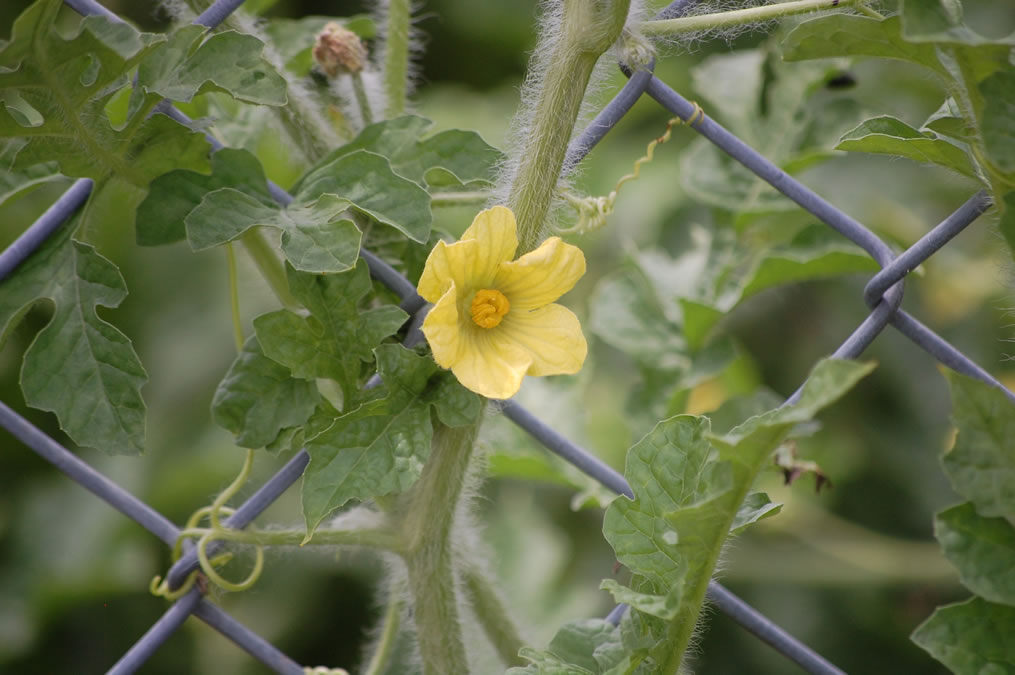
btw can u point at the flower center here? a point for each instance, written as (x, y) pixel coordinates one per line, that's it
(489, 307)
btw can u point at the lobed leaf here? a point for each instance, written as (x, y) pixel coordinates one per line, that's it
(690, 488)
(377, 449)
(55, 89)
(337, 337)
(191, 62)
(258, 398)
(172, 196)
(367, 181)
(79, 366)
(316, 236)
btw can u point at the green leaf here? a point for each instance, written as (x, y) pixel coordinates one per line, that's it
(850, 35)
(258, 398)
(997, 123)
(971, 638)
(578, 648)
(981, 464)
(947, 121)
(937, 21)
(191, 62)
(55, 90)
(766, 103)
(455, 405)
(890, 136)
(983, 549)
(756, 506)
(172, 196)
(376, 449)
(316, 237)
(662, 606)
(16, 183)
(79, 367)
(337, 337)
(462, 156)
(690, 487)
(367, 181)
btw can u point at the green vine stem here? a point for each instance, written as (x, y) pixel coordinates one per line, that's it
(268, 263)
(493, 616)
(361, 98)
(385, 647)
(234, 297)
(430, 516)
(449, 199)
(739, 17)
(588, 28)
(396, 56)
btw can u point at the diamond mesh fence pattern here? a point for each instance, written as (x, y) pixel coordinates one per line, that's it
(883, 294)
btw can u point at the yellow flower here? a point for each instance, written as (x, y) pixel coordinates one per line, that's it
(493, 321)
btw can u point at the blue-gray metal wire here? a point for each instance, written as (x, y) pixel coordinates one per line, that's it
(883, 294)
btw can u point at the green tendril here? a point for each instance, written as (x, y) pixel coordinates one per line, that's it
(593, 211)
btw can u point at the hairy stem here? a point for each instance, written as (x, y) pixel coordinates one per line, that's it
(264, 256)
(396, 56)
(430, 518)
(361, 99)
(494, 617)
(440, 199)
(389, 637)
(589, 28)
(739, 17)
(234, 297)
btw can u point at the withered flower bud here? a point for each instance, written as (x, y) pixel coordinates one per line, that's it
(338, 50)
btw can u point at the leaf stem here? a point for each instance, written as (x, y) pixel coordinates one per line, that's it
(234, 297)
(263, 255)
(361, 98)
(380, 538)
(396, 56)
(738, 17)
(385, 647)
(589, 28)
(431, 514)
(493, 615)
(441, 199)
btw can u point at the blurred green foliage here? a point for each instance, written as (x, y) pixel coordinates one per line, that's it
(850, 570)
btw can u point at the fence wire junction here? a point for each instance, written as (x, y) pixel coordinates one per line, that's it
(883, 295)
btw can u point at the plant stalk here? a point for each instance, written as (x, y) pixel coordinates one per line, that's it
(589, 28)
(739, 17)
(264, 256)
(430, 557)
(494, 617)
(396, 57)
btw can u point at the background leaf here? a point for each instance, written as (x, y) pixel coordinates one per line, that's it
(79, 367)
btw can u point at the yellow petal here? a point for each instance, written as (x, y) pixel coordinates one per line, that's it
(442, 329)
(541, 276)
(551, 334)
(496, 232)
(447, 264)
(489, 364)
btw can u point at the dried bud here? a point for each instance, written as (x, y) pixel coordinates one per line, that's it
(339, 50)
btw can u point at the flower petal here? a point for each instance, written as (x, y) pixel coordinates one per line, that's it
(447, 265)
(442, 329)
(489, 364)
(541, 276)
(551, 334)
(496, 231)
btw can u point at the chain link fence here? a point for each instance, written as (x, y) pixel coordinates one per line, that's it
(883, 295)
